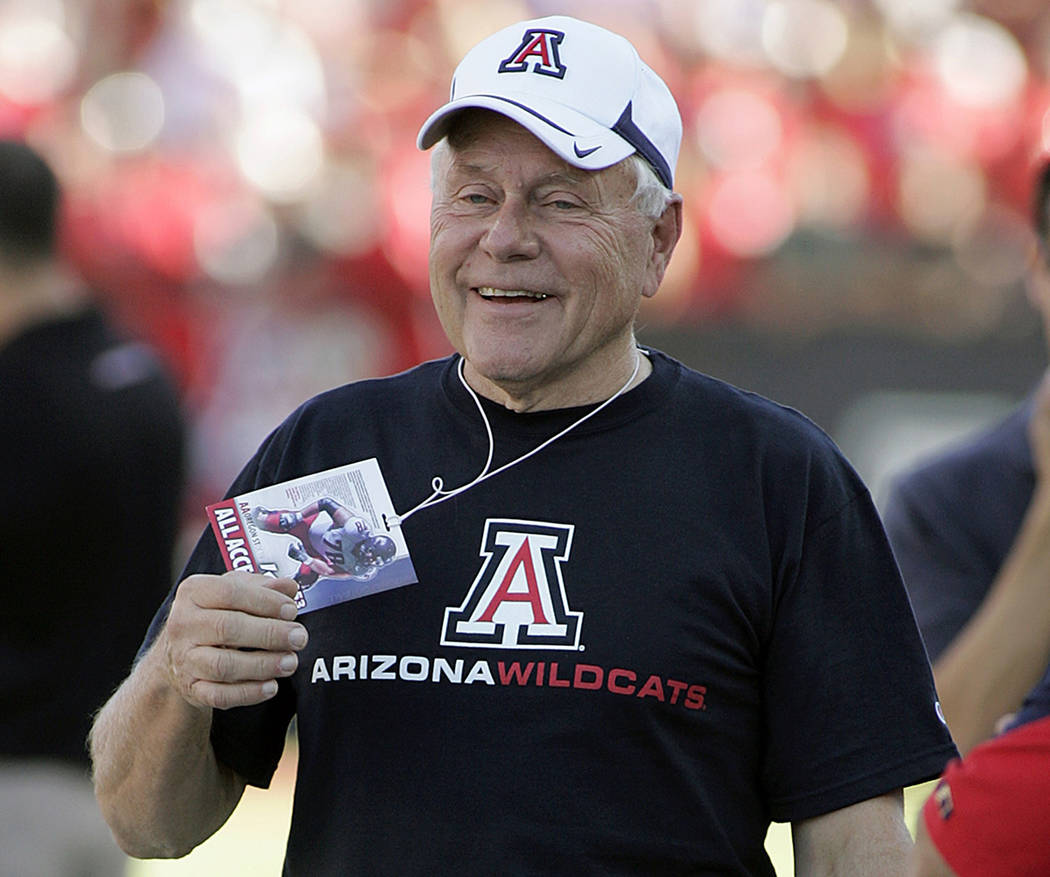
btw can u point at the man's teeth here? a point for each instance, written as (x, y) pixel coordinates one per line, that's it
(490, 292)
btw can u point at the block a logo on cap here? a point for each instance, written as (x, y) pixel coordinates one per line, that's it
(541, 48)
(581, 89)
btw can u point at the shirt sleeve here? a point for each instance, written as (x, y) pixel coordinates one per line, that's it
(250, 740)
(849, 696)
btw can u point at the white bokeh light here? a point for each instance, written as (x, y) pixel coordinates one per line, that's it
(236, 242)
(804, 38)
(280, 151)
(264, 56)
(328, 19)
(979, 62)
(38, 59)
(731, 29)
(341, 214)
(123, 112)
(914, 18)
(738, 128)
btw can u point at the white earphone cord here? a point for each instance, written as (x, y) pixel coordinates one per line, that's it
(437, 483)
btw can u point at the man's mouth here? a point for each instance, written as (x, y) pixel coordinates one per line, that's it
(491, 293)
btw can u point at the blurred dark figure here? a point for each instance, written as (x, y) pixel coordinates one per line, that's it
(91, 469)
(971, 530)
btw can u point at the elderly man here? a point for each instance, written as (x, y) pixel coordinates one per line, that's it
(652, 611)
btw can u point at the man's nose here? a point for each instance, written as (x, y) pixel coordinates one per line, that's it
(511, 234)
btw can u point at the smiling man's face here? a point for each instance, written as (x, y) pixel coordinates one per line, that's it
(537, 268)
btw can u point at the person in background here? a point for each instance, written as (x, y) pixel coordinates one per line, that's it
(642, 625)
(987, 817)
(92, 440)
(971, 530)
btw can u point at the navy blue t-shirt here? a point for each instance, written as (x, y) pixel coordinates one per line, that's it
(952, 520)
(696, 622)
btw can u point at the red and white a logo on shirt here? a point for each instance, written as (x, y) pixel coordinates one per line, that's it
(517, 600)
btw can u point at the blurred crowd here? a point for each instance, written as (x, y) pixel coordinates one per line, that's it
(245, 192)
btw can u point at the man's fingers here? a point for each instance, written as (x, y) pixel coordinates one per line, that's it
(225, 696)
(237, 609)
(235, 629)
(288, 587)
(245, 592)
(228, 628)
(219, 677)
(229, 638)
(212, 664)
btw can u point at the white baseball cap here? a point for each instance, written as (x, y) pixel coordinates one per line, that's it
(579, 88)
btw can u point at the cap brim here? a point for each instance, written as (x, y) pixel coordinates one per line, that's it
(578, 139)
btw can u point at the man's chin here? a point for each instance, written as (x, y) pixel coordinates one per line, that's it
(503, 365)
(498, 377)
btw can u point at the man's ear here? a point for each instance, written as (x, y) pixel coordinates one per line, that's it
(666, 231)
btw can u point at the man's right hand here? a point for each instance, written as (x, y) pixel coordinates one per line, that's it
(229, 638)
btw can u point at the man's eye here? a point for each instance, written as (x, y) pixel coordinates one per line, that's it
(562, 204)
(476, 198)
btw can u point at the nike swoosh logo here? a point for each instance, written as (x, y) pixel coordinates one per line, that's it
(583, 153)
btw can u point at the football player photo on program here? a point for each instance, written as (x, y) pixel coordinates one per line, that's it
(334, 532)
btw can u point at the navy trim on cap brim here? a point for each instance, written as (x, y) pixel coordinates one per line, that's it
(630, 132)
(625, 130)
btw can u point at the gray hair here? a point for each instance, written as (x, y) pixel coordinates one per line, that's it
(650, 197)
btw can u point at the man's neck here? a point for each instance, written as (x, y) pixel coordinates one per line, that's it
(572, 392)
